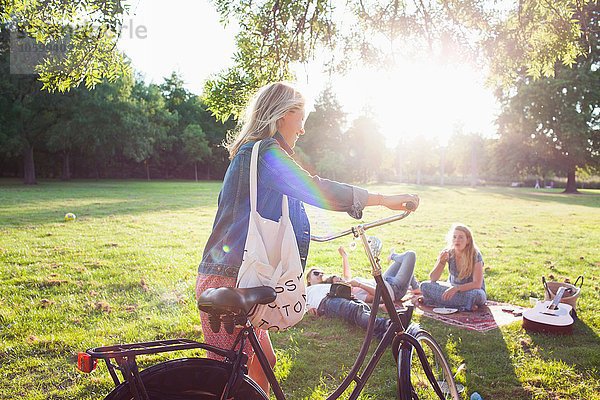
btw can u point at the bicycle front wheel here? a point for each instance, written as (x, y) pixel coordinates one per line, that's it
(187, 379)
(412, 376)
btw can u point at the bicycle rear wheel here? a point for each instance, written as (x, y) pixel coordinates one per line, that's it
(412, 375)
(186, 379)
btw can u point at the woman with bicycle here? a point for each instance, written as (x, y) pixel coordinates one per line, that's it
(276, 115)
(465, 288)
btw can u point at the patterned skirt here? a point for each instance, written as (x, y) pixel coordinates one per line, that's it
(221, 339)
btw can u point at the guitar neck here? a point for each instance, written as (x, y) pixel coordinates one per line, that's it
(557, 298)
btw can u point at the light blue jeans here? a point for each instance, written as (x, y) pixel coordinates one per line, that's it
(464, 301)
(355, 312)
(401, 273)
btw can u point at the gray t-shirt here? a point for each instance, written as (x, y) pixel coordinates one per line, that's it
(453, 269)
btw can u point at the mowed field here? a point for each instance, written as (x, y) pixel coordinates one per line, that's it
(125, 271)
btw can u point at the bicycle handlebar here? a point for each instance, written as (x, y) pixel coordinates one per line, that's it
(366, 226)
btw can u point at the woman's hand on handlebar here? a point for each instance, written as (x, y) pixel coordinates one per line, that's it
(403, 202)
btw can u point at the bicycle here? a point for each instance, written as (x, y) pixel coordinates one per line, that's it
(415, 351)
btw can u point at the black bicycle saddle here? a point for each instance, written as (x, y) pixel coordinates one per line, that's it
(226, 300)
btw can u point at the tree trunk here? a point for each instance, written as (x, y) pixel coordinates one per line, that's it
(96, 169)
(196, 171)
(442, 165)
(571, 183)
(147, 169)
(474, 167)
(28, 166)
(66, 167)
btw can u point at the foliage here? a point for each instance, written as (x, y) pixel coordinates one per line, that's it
(324, 146)
(126, 128)
(554, 123)
(272, 35)
(88, 30)
(529, 36)
(365, 144)
(538, 35)
(65, 290)
(417, 156)
(197, 147)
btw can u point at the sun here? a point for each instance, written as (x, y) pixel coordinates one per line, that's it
(416, 99)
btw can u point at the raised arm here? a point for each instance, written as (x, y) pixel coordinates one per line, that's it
(439, 266)
(280, 172)
(345, 263)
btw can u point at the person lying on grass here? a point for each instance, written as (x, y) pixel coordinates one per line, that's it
(356, 311)
(465, 288)
(398, 278)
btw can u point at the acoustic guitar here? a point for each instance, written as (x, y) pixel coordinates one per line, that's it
(550, 316)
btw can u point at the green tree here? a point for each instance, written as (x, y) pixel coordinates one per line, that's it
(87, 31)
(365, 144)
(27, 114)
(324, 147)
(469, 155)
(196, 145)
(190, 109)
(145, 123)
(418, 156)
(519, 34)
(554, 123)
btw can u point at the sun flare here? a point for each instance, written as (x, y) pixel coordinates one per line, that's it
(421, 99)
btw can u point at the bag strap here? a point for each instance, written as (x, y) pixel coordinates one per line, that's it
(581, 283)
(546, 287)
(254, 184)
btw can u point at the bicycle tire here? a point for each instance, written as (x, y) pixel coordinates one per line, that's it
(412, 378)
(187, 379)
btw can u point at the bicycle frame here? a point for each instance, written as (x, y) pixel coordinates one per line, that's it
(395, 329)
(125, 355)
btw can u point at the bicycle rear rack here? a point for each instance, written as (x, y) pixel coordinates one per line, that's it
(125, 358)
(136, 349)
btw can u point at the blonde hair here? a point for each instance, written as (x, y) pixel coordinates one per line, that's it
(268, 105)
(467, 260)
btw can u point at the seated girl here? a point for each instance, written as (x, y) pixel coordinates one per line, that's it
(465, 288)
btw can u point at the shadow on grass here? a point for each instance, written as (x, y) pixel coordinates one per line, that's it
(315, 356)
(579, 351)
(48, 202)
(479, 352)
(586, 198)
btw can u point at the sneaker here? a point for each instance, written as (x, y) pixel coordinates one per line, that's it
(375, 244)
(392, 252)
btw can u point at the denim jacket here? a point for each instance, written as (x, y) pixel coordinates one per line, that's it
(278, 174)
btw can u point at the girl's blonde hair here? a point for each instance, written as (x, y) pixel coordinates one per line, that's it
(467, 260)
(268, 105)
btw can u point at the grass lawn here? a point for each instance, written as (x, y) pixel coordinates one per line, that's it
(125, 270)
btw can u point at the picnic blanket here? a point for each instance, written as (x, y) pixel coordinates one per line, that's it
(488, 317)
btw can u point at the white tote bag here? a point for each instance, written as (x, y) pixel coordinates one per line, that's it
(271, 258)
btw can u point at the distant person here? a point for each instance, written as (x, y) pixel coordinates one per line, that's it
(465, 288)
(537, 183)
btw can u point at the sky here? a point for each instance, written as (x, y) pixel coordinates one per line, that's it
(417, 98)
